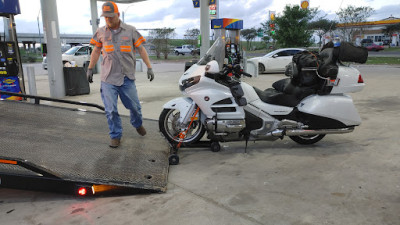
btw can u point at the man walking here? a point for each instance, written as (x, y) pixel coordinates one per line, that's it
(117, 42)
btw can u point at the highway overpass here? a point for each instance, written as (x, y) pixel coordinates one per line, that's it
(72, 39)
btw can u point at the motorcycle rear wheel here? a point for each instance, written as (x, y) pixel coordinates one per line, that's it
(307, 139)
(170, 127)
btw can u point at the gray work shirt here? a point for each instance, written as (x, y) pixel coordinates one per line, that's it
(118, 49)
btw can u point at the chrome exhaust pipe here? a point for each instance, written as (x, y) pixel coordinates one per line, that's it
(301, 132)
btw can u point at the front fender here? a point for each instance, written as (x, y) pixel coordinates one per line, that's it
(184, 105)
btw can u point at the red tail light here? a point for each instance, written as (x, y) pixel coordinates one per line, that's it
(360, 79)
(82, 191)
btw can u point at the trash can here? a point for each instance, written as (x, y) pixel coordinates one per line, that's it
(75, 81)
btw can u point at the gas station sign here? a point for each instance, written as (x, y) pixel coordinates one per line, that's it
(226, 23)
(304, 4)
(196, 3)
(272, 15)
(213, 11)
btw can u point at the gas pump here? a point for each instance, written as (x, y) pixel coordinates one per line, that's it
(11, 74)
(229, 31)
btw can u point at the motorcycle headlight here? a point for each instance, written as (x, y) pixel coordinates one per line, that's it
(190, 82)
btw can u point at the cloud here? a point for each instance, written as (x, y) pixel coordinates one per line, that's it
(180, 14)
(386, 11)
(25, 26)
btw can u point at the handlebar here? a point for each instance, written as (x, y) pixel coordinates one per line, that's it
(246, 74)
(235, 70)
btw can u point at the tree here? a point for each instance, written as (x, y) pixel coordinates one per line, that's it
(351, 15)
(191, 36)
(160, 37)
(291, 27)
(391, 29)
(321, 27)
(249, 35)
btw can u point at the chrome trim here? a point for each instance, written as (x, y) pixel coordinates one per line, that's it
(300, 132)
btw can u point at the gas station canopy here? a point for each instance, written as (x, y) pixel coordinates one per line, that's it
(9, 7)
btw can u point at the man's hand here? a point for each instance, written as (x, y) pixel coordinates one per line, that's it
(89, 75)
(150, 74)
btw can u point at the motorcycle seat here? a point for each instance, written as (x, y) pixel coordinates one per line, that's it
(275, 97)
(285, 93)
(281, 84)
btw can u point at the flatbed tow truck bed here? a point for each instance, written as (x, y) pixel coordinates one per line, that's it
(43, 145)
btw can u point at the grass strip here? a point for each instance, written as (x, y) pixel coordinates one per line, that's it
(383, 60)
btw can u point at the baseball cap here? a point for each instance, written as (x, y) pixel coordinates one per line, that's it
(110, 9)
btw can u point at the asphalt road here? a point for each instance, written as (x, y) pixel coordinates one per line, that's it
(384, 53)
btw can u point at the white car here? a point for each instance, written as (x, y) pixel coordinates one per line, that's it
(78, 54)
(275, 61)
(44, 63)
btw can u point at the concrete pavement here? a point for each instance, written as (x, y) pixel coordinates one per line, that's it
(344, 179)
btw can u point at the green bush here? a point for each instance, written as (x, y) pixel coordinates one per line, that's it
(28, 59)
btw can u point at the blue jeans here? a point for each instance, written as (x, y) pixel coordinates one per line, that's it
(129, 97)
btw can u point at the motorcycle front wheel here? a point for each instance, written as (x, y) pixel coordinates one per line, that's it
(307, 139)
(170, 127)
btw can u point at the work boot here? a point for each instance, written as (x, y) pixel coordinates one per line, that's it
(115, 142)
(141, 130)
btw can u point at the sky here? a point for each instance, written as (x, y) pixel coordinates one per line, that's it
(74, 15)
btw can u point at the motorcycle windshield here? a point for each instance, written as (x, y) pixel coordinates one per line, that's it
(215, 52)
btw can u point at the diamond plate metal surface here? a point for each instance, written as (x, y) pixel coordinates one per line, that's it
(74, 145)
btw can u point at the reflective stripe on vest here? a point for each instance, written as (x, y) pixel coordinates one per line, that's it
(139, 41)
(126, 48)
(109, 48)
(94, 42)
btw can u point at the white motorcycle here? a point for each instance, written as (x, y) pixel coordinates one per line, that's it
(217, 102)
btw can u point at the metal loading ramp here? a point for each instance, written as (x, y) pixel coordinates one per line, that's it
(73, 145)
